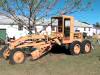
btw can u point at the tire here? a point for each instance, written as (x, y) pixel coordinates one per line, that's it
(3, 50)
(75, 48)
(86, 46)
(17, 56)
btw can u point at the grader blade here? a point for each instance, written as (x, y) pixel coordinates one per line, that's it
(41, 50)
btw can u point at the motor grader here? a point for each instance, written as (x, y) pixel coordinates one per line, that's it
(39, 44)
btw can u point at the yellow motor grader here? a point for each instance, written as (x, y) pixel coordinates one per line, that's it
(39, 44)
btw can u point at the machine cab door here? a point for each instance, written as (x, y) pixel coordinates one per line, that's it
(68, 28)
(64, 25)
(57, 24)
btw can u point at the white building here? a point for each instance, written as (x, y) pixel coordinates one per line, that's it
(84, 27)
(12, 29)
(96, 30)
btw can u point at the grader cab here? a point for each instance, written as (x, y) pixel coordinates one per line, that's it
(62, 34)
(73, 40)
(65, 26)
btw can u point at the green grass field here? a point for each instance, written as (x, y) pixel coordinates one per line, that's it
(56, 64)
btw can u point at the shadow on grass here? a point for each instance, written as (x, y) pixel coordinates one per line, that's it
(56, 49)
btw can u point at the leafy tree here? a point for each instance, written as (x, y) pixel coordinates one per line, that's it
(97, 24)
(28, 12)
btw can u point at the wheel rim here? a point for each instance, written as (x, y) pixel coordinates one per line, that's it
(77, 49)
(87, 47)
(18, 57)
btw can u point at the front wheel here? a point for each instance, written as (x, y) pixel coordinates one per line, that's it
(75, 48)
(17, 56)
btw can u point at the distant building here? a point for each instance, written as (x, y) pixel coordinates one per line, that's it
(96, 30)
(84, 27)
(8, 27)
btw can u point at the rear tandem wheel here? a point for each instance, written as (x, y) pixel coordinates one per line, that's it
(75, 48)
(86, 46)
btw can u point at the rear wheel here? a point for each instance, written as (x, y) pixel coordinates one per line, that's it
(75, 48)
(17, 56)
(86, 46)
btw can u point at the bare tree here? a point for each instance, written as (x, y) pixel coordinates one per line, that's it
(27, 12)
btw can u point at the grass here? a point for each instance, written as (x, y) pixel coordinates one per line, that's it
(56, 64)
